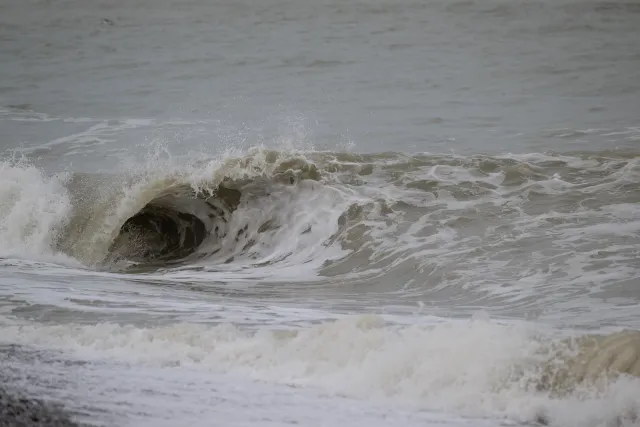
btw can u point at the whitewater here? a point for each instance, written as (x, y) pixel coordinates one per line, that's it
(354, 213)
(391, 278)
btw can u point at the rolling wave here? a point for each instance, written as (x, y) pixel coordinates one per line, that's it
(450, 226)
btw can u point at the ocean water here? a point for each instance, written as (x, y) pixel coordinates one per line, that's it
(367, 212)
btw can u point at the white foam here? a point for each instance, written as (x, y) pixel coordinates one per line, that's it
(33, 210)
(140, 396)
(473, 368)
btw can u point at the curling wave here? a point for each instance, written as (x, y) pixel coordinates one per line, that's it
(446, 226)
(172, 226)
(175, 217)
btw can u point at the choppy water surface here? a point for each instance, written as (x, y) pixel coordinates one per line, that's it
(321, 212)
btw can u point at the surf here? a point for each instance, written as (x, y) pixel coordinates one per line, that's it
(164, 217)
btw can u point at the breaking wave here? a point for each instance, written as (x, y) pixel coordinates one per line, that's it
(446, 226)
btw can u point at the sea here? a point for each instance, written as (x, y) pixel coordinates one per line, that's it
(317, 212)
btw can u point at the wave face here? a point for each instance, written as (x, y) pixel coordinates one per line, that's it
(447, 226)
